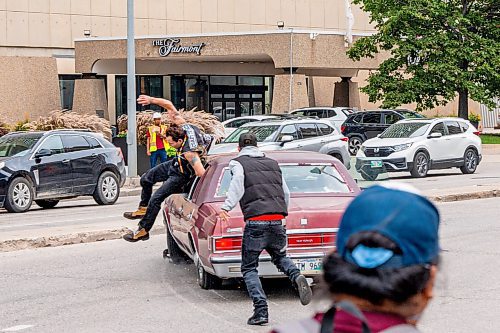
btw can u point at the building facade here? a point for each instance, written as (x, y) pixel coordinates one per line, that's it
(71, 54)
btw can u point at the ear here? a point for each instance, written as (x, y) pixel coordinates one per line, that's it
(428, 291)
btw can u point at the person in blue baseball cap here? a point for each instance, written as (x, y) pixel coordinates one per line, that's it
(382, 274)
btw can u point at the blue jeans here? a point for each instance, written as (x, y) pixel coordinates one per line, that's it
(256, 238)
(159, 154)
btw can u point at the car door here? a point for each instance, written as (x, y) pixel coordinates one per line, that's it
(458, 139)
(310, 137)
(439, 148)
(391, 118)
(84, 163)
(289, 130)
(52, 174)
(372, 124)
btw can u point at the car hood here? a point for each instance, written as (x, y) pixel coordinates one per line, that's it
(5, 159)
(380, 142)
(233, 147)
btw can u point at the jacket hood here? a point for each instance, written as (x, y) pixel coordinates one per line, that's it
(251, 151)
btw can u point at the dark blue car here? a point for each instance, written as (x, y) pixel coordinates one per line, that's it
(48, 166)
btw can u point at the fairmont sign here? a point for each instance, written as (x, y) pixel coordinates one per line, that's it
(172, 45)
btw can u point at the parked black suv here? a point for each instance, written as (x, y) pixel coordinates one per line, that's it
(361, 126)
(48, 166)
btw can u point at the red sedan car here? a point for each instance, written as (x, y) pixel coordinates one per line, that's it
(320, 186)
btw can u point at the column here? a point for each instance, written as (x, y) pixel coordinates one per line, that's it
(90, 97)
(281, 93)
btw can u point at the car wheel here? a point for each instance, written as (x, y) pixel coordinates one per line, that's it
(19, 196)
(338, 156)
(369, 174)
(354, 144)
(420, 165)
(107, 190)
(471, 160)
(47, 204)
(207, 280)
(174, 251)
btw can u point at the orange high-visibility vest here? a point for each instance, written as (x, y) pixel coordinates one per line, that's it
(152, 138)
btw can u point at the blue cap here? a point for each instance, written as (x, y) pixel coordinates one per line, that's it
(408, 219)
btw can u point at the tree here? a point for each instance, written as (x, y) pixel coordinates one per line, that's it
(435, 50)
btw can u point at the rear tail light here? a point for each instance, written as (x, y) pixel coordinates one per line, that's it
(311, 240)
(228, 244)
(477, 133)
(345, 139)
(120, 153)
(342, 128)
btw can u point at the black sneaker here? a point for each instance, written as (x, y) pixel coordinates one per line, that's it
(260, 317)
(305, 292)
(135, 236)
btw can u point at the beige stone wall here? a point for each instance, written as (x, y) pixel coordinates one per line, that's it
(57, 23)
(281, 93)
(29, 88)
(323, 90)
(90, 96)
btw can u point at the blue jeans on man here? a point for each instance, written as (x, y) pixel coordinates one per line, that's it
(259, 236)
(160, 154)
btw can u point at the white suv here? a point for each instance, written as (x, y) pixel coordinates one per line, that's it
(420, 145)
(336, 116)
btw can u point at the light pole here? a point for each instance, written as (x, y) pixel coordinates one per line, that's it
(131, 102)
(290, 100)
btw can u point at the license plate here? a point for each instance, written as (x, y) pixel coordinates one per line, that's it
(309, 266)
(376, 164)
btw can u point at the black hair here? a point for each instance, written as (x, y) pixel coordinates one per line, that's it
(176, 132)
(377, 284)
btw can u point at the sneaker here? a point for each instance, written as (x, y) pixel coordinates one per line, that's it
(305, 292)
(138, 214)
(260, 317)
(139, 234)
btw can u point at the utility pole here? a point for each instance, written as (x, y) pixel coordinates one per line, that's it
(290, 100)
(131, 98)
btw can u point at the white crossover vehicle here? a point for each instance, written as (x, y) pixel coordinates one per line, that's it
(232, 125)
(337, 116)
(420, 145)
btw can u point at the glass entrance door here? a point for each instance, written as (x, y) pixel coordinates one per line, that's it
(239, 104)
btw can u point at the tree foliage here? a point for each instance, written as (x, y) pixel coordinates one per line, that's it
(436, 49)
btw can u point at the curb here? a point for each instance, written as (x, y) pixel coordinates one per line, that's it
(466, 196)
(68, 239)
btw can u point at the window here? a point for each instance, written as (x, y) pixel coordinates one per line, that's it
(74, 143)
(223, 80)
(315, 113)
(405, 130)
(464, 127)
(17, 144)
(54, 144)
(357, 118)
(239, 122)
(438, 128)
(299, 113)
(453, 127)
(372, 118)
(392, 118)
(308, 130)
(93, 142)
(325, 129)
(251, 80)
(288, 130)
(331, 113)
(263, 133)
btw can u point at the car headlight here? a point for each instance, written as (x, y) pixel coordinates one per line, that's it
(402, 147)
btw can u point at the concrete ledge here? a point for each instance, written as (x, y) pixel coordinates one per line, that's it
(466, 196)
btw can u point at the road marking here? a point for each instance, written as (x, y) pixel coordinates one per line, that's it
(16, 328)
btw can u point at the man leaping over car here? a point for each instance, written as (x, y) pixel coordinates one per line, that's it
(191, 145)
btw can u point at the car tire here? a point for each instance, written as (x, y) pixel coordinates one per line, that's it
(368, 174)
(174, 251)
(19, 196)
(107, 190)
(337, 156)
(420, 165)
(47, 204)
(355, 143)
(206, 280)
(471, 160)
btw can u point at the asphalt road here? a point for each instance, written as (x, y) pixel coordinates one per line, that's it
(115, 286)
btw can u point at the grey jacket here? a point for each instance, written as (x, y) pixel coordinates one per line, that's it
(237, 186)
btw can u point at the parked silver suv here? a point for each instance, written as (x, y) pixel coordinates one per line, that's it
(291, 134)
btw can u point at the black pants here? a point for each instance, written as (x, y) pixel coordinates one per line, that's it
(173, 182)
(256, 238)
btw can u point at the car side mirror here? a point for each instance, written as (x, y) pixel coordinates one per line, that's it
(378, 135)
(42, 153)
(286, 139)
(435, 135)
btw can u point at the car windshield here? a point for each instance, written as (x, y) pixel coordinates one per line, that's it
(305, 179)
(17, 145)
(264, 133)
(409, 114)
(405, 130)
